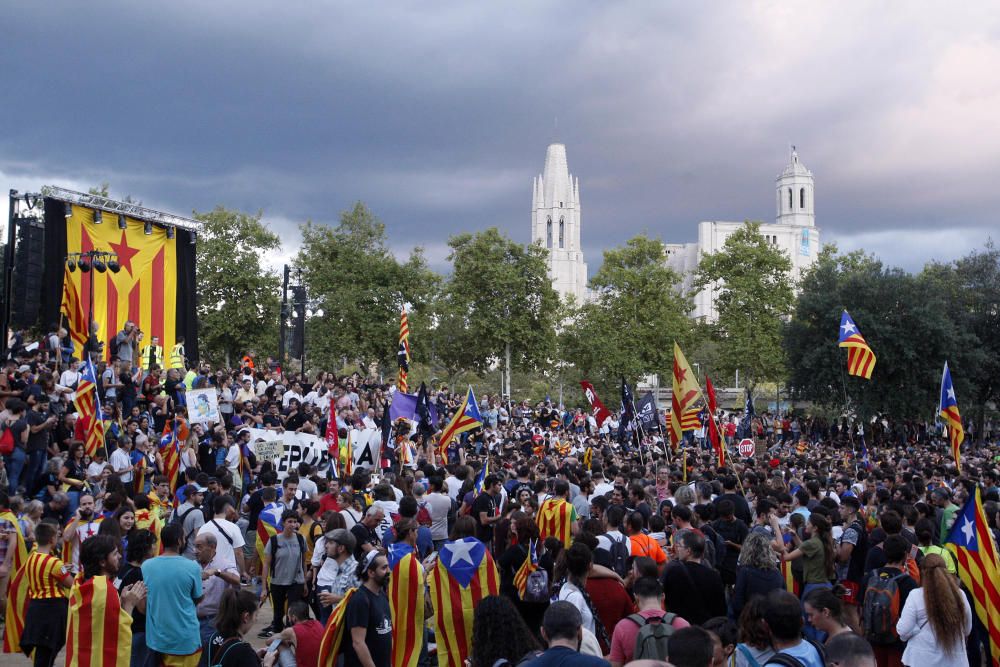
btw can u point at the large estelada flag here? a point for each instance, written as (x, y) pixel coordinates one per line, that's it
(406, 603)
(948, 408)
(685, 392)
(971, 542)
(860, 358)
(17, 589)
(463, 575)
(155, 287)
(99, 632)
(72, 310)
(466, 418)
(555, 518)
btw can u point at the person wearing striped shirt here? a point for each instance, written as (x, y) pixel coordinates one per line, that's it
(49, 581)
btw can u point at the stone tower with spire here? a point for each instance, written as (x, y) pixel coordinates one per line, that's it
(555, 224)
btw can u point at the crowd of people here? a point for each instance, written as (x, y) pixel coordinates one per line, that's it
(817, 550)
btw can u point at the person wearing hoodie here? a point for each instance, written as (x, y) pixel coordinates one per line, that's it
(757, 572)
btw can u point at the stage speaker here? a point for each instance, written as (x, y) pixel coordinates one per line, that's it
(29, 269)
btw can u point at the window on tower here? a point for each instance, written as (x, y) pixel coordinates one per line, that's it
(548, 233)
(791, 204)
(562, 233)
(802, 198)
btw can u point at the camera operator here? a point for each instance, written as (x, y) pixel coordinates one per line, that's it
(124, 342)
(40, 421)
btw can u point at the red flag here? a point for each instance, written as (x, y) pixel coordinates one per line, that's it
(601, 413)
(713, 425)
(332, 437)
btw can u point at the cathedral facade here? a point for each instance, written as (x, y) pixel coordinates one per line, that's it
(555, 224)
(794, 231)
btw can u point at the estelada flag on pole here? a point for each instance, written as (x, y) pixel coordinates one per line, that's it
(17, 589)
(333, 438)
(948, 408)
(76, 319)
(333, 634)
(99, 633)
(463, 575)
(466, 418)
(406, 603)
(685, 393)
(88, 404)
(170, 453)
(971, 542)
(860, 358)
(529, 565)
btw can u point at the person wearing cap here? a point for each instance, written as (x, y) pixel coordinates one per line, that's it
(191, 518)
(335, 569)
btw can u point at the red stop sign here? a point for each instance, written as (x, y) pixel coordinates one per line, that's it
(746, 447)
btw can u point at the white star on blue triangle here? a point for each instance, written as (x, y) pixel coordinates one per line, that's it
(462, 558)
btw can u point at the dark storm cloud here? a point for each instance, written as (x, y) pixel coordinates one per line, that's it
(437, 114)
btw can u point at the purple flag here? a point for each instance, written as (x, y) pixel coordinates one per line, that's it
(405, 405)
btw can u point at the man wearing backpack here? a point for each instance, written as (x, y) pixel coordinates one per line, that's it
(285, 563)
(644, 634)
(885, 596)
(190, 517)
(852, 551)
(613, 547)
(783, 621)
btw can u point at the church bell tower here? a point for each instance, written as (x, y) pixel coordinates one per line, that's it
(555, 224)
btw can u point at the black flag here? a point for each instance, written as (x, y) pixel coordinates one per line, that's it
(425, 420)
(648, 415)
(627, 422)
(386, 426)
(746, 423)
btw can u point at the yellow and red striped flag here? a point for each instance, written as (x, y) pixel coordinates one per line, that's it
(555, 518)
(463, 575)
(860, 358)
(333, 634)
(17, 589)
(266, 529)
(529, 565)
(89, 407)
(685, 393)
(971, 542)
(99, 633)
(466, 418)
(791, 585)
(347, 456)
(170, 452)
(403, 355)
(76, 319)
(713, 425)
(406, 602)
(690, 420)
(588, 458)
(948, 408)
(149, 520)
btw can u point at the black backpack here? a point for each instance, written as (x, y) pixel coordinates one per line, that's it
(619, 555)
(273, 546)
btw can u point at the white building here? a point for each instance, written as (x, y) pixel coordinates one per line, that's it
(794, 231)
(555, 224)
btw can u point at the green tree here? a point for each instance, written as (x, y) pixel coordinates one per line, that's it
(903, 317)
(351, 274)
(237, 296)
(499, 293)
(753, 292)
(629, 328)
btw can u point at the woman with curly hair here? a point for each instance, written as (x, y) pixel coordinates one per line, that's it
(936, 619)
(757, 571)
(755, 647)
(499, 632)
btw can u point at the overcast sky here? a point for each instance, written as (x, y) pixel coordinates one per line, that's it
(437, 115)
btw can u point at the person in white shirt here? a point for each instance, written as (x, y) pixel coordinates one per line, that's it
(121, 461)
(229, 538)
(71, 377)
(295, 392)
